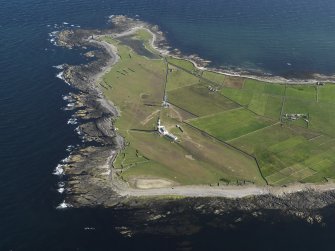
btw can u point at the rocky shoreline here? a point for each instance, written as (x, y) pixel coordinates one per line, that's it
(86, 169)
(88, 173)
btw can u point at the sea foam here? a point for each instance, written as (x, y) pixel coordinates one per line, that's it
(59, 67)
(61, 184)
(63, 205)
(65, 160)
(69, 107)
(72, 121)
(70, 148)
(60, 75)
(59, 170)
(61, 187)
(52, 36)
(89, 228)
(61, 190)
(68, 98)
(77, 130)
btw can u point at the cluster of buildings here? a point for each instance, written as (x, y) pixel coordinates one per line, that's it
(296, 116)
(162, 131)
(212, 89)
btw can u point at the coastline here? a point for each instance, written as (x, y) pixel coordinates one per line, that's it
(160, 43)
(93, 182)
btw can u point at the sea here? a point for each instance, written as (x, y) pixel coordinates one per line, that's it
(278, 37)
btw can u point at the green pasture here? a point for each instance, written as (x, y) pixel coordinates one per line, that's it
(301, 92)
(231, 124)
(265, 99)
(282, 150)
(182, 63)
(178, 78)
(213, 76)
(240, 96)
(326, 93)
(178, 161)
(234, 82)
(136, 87)
(199, 100)
(321, 114)
(242, 112)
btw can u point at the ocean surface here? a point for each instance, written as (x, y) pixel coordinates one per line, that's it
(280, 37)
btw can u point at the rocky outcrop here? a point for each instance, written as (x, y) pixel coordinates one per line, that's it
(87, 169)
(88, 179)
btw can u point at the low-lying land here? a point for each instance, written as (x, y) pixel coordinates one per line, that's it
(160, 132)
(228, 129)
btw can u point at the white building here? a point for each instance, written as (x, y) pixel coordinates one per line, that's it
(162, 130)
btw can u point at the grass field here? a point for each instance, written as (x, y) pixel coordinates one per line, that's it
(326, 93)
(178, 78)
(234, 82)
(266, 144)
(136, 86)
(230, 124)
(265, 99)
(188, 164)
(215, 77)
(223, 123)
(182, 63)
(198, 100)
(321, 114)
(304, 93)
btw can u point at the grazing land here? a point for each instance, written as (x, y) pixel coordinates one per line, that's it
(225, 129)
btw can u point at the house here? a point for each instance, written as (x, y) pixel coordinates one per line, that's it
(162, 131)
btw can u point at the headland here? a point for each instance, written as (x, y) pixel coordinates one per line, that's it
(161, 126)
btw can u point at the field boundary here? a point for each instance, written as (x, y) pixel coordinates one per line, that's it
(213, 114)
(254, 131)
(200, 77)
(239, 140)
(232, 147)
(183, 109)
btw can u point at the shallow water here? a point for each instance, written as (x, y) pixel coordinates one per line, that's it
(280, 37)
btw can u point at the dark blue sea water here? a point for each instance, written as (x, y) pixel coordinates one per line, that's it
(281, 37)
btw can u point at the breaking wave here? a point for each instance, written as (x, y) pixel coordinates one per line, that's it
(59, 67)
(60, 75)
(63, 205)
(72, 121)
(61, 190)
(70, 148)
(59, 170)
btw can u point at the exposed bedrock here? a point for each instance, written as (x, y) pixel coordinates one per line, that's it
(89, 179)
